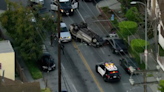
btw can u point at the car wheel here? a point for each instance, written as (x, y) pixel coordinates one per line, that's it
(120, 63)
(113, 51)
(96, 68)
(104, 78)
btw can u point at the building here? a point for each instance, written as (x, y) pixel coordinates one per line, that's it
(7, 59)
(158, 7)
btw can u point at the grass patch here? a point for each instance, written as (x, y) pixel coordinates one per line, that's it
(45, 90)
(105, 9)
(137, 57)
(149, 75)
(161, 51)
(34, 70)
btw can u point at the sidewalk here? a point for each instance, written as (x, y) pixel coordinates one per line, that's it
(151, 59)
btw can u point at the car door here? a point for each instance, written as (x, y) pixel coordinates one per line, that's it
(125, 64)
(74, 4)
(54, 6)
(101, 69)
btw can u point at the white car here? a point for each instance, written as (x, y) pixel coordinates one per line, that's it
(65, 35)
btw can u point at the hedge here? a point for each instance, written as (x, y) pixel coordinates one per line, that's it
(128, 28)
(138, 45)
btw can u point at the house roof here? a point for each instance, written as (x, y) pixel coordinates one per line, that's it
(5, 46)
(17, 86)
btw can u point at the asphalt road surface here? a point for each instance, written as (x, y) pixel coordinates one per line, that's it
(78, 62)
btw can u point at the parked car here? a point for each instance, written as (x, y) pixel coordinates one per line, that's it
(47, 62)
(127, 62)
(65, 35)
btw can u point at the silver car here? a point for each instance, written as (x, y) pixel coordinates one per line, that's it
(65, 35)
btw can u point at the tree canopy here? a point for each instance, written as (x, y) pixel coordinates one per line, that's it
(133, 15)
(128, 28)
(161, 86)
(25, 33)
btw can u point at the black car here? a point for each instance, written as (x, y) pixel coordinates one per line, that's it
(118, 46)
(127, 62)
(47, 62)
(108, 71)
(66, 8)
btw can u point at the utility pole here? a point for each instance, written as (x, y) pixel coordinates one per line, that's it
(59, 43)
(133, 71)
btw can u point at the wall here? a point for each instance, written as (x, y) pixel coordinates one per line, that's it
(7, 61)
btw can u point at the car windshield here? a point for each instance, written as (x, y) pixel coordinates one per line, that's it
(65, 4)
(64, 29)
(132, 62)
(119, 43)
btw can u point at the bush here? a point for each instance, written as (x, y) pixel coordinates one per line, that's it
(46, 90)
(114, 23)
(34, 70)
(105, 9)
(132, 14)
(138, 45)
(128, 28)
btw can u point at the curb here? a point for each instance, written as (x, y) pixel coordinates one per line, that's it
(102, 13)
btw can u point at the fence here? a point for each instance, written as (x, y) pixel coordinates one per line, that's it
(19, 70)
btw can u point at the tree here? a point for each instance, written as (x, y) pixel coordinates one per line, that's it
(161, 86)
(138, 45)
(17, 22)
(133, 15)
(128, 28)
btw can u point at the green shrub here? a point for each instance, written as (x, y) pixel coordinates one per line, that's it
(34, 70)
(46, 90)
(137, 58)
(128, 28)
(114, 22)
(105, 9)
(138, 45)
(132, 14)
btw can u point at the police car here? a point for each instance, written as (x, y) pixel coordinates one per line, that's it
(66, 6)
(108, 71)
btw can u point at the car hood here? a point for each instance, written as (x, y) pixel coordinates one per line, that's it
(65, 34)
(122, 46)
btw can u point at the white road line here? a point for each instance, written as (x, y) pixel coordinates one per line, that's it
(80, 15)
(74, 88)
(62, 66)
(102, 51)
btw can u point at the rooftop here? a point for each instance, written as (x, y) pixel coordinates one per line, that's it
(5, 46)
(161, 6)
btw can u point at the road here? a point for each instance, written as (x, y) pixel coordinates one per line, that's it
(78, 62)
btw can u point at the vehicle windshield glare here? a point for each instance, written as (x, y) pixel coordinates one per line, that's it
(64, 29)
(65, 4)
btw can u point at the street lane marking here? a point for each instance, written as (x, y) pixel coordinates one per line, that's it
(81, 16)
(86, 64)
(62, 66)
(74, 87)
(102, 50)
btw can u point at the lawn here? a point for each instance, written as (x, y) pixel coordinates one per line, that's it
(34, 70)
(45, 90)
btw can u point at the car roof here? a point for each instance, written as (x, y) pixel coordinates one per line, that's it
(63, 25)
(63, 0)
(110, 66)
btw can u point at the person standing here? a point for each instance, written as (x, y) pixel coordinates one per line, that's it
(52, 39)
(62, 47)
